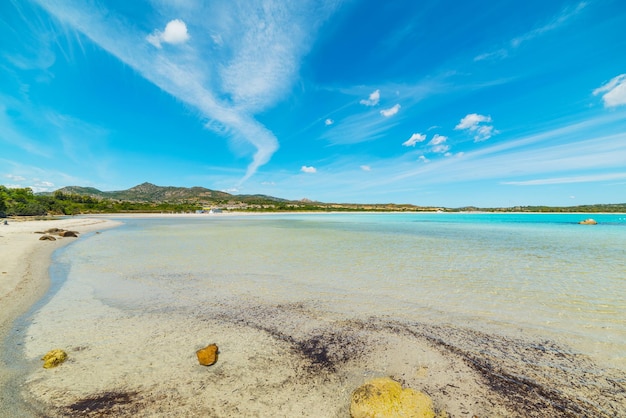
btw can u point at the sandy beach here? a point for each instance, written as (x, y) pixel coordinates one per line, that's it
(274, 360)
(24, 264)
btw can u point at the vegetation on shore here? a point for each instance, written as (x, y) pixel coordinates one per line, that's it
(148, 198)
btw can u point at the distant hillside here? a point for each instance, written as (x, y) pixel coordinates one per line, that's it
(148, 192)
(147, 196)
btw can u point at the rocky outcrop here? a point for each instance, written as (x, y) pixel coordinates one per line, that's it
(47, 238)
(207, 356)
(588, 222)
(66, 234)
(384, 397)
(58, 232)
(53, 358)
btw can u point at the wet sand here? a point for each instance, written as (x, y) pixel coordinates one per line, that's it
(286, 360)
(24, 264)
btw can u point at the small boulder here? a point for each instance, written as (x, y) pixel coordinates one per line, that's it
(53, 230)
(68, 234)
(384, 397)
(54, 358)
(47, 238)
(207, 356)
(588, 222)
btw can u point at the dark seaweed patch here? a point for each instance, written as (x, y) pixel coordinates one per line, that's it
(329, 349)
(538, 378)
(103, 404)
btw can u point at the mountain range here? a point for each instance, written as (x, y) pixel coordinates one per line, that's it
(148, 192)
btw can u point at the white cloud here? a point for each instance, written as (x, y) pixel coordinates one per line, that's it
(366, 168)
(328, 122)
(477, 124)
(614, 91)
(438, 139)
(307, 169)
(373, 99)
(438, 144)
(423, 159)
(471, 121)
(175, 33)
(414, 139)
(15, 178)
(391, 111)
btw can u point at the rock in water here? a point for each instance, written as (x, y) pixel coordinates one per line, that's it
(384, 397)
(47, 238)
(588, 222)
(207, 356)
(53, 358)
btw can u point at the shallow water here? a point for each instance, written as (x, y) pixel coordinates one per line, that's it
(540, 273)
(534, 294)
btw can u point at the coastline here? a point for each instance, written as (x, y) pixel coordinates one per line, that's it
(24, 265)
(144, 363)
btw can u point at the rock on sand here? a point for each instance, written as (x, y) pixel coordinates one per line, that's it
(384, 397)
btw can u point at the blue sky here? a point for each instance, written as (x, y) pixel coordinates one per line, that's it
(447, 103)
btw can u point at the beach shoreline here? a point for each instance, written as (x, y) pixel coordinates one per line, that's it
(24, 268)
(274, 359)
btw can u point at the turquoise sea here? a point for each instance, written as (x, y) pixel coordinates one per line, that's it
(540, 274)
(535, 300)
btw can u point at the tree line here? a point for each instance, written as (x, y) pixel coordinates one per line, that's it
(23, 202)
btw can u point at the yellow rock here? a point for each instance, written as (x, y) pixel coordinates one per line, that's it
(53, 358)
(588, 222)
(384, 397)
(207, 356)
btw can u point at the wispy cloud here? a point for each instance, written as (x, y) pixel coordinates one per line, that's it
(614, 91)
(37, 178)
(308, 169)
(328, 122)
(565, 180)
(359, 127)
(558, 21)
(13, 177)
(366, 168)
(555, 23)
(253, 68)
(391, 111)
